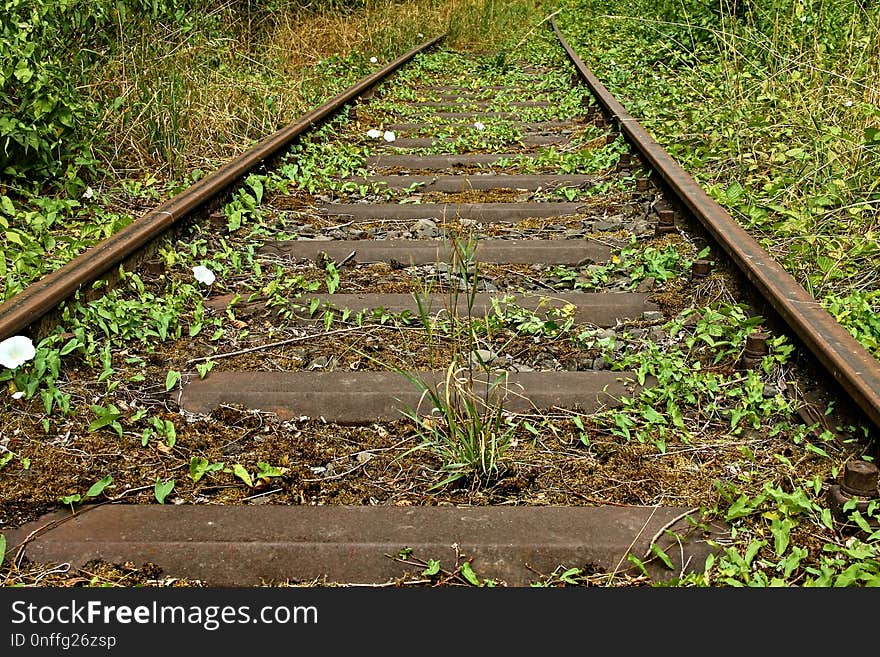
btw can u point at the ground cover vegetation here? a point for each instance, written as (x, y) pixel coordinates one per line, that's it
(775, 108)
(87, 418)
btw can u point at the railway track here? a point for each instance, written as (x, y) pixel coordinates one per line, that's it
(426, 338)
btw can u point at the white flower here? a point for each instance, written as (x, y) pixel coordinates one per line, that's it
(420, 35)
(389, 136)
(203, 275)
(18, 395)
(373, 60)
(803, 19)
(848, 102)
(479, 125)
(374, 134)
(16, 351)
(89, 193)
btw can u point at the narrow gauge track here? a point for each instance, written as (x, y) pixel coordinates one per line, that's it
(506, 244)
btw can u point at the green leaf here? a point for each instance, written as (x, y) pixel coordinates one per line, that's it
(72, 344)
(652, 416)
(204, 368)
(106, 416)
(872, 136)
(99, 486)
(827, 518)
(266, 471)
(860, 520)
(792, 561)
(70, 499)
(752, 550)
(239, 471)
(658, 551)
(633, 559)
(23, 73)
(171, 379)
(404, 553)
(3, 548)
(432, 569)
(197, 468)
(468, 573)
(781, 530)
(734, 193)
(163, 489)
(739, 509)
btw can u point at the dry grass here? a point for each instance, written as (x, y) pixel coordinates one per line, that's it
(193, 98)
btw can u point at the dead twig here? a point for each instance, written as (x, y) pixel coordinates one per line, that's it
(281, 343)
(665, 527)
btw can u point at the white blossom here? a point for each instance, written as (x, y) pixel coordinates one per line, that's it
(16, 351)
(479, 125)
(18, 395)
(374, 134)
(203, 275)
(373, 60)
(89, 193)
(389, 136)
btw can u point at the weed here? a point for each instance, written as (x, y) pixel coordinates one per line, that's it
(466, 426)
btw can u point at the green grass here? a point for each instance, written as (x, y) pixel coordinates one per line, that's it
(775, 111)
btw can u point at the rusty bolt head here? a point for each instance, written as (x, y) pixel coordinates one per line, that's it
(643, 184)
(755, 350)
(624, 160)
(701, 268)
(665, 222)
(217, 221)
(153, 267)
(756, 344)
(860, 478)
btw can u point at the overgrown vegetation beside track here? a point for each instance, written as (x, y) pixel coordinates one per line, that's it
(774, 106)
(107, 108)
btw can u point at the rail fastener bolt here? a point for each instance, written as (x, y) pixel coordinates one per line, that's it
(624, 162)
(756, 349)
(665, 222)
(859, 481)
(217, 221)
(701, 268)
(643, 184)
(153, 267)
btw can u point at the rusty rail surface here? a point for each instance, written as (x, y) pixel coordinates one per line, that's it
(40, 297)
(856, 370)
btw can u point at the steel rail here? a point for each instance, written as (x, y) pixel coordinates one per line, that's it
(42, 296)
(851, 365)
